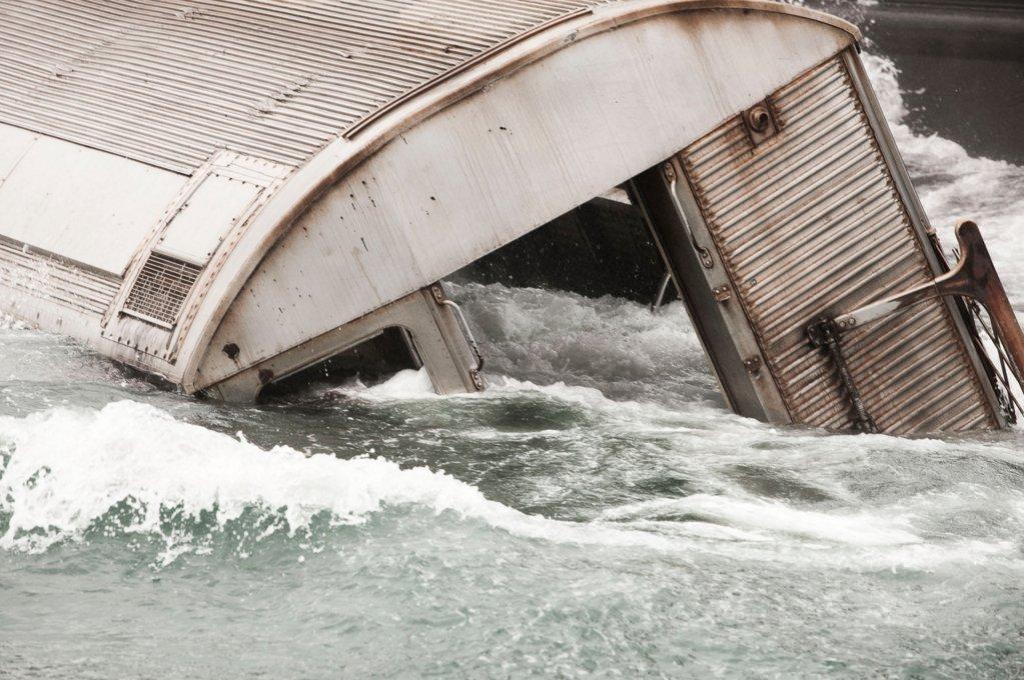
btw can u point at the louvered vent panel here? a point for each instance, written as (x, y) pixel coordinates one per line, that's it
(168, 83)
(161, 289)
(810, 222)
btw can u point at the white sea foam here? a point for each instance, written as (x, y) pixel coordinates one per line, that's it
(611, 344)
(8, 322)
(69, 468)
(404, 385)
(730, 436)
(763, 517)
(954, 185)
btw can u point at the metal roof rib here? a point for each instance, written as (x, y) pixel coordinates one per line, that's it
(168, 84)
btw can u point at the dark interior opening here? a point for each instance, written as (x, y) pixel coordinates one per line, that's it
(371, 362)
(602, 247)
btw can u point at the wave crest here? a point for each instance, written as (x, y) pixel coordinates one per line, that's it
(64, 472)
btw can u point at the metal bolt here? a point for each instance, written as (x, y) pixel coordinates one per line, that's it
(705, 256)
(759, 119)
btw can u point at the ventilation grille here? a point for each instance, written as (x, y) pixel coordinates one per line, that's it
(810, 223)
(161, 289)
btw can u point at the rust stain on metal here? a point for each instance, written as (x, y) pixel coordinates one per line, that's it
(760, 122)
(814, 219)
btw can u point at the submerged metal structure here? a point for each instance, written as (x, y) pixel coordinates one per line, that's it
(225, 193)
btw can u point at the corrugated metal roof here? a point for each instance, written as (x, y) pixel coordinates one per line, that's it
(168, 82)
(50, 277)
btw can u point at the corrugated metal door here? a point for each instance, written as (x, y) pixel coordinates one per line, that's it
(809, 222)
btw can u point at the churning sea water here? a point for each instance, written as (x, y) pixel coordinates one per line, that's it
(598, 512)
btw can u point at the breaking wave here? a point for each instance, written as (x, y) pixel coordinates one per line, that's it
(129, 469)
(67, 471)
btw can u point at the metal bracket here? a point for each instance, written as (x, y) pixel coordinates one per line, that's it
(824, 334)
(475, 373)
(759, 120)
(973, 277)
(703, 253)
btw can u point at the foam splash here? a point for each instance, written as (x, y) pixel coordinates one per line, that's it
(65, 470)
(616, 346)
(954, 185)
(762, 518)
(406, 384)
(635, 415)
(9, 323)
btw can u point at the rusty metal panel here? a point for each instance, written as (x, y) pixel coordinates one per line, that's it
(168, 83)
(49, 277)
(807, 221)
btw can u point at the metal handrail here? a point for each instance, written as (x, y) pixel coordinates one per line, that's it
(464, 324)
(662, 290)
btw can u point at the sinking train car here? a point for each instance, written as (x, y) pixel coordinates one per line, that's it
(226, 193)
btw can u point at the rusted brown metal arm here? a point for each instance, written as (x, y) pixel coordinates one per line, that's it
(973, 277)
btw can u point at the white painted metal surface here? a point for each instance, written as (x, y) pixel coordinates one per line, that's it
(209, 213)
(14, 144)
(83, 204)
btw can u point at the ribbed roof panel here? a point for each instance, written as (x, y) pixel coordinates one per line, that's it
(168, 83)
